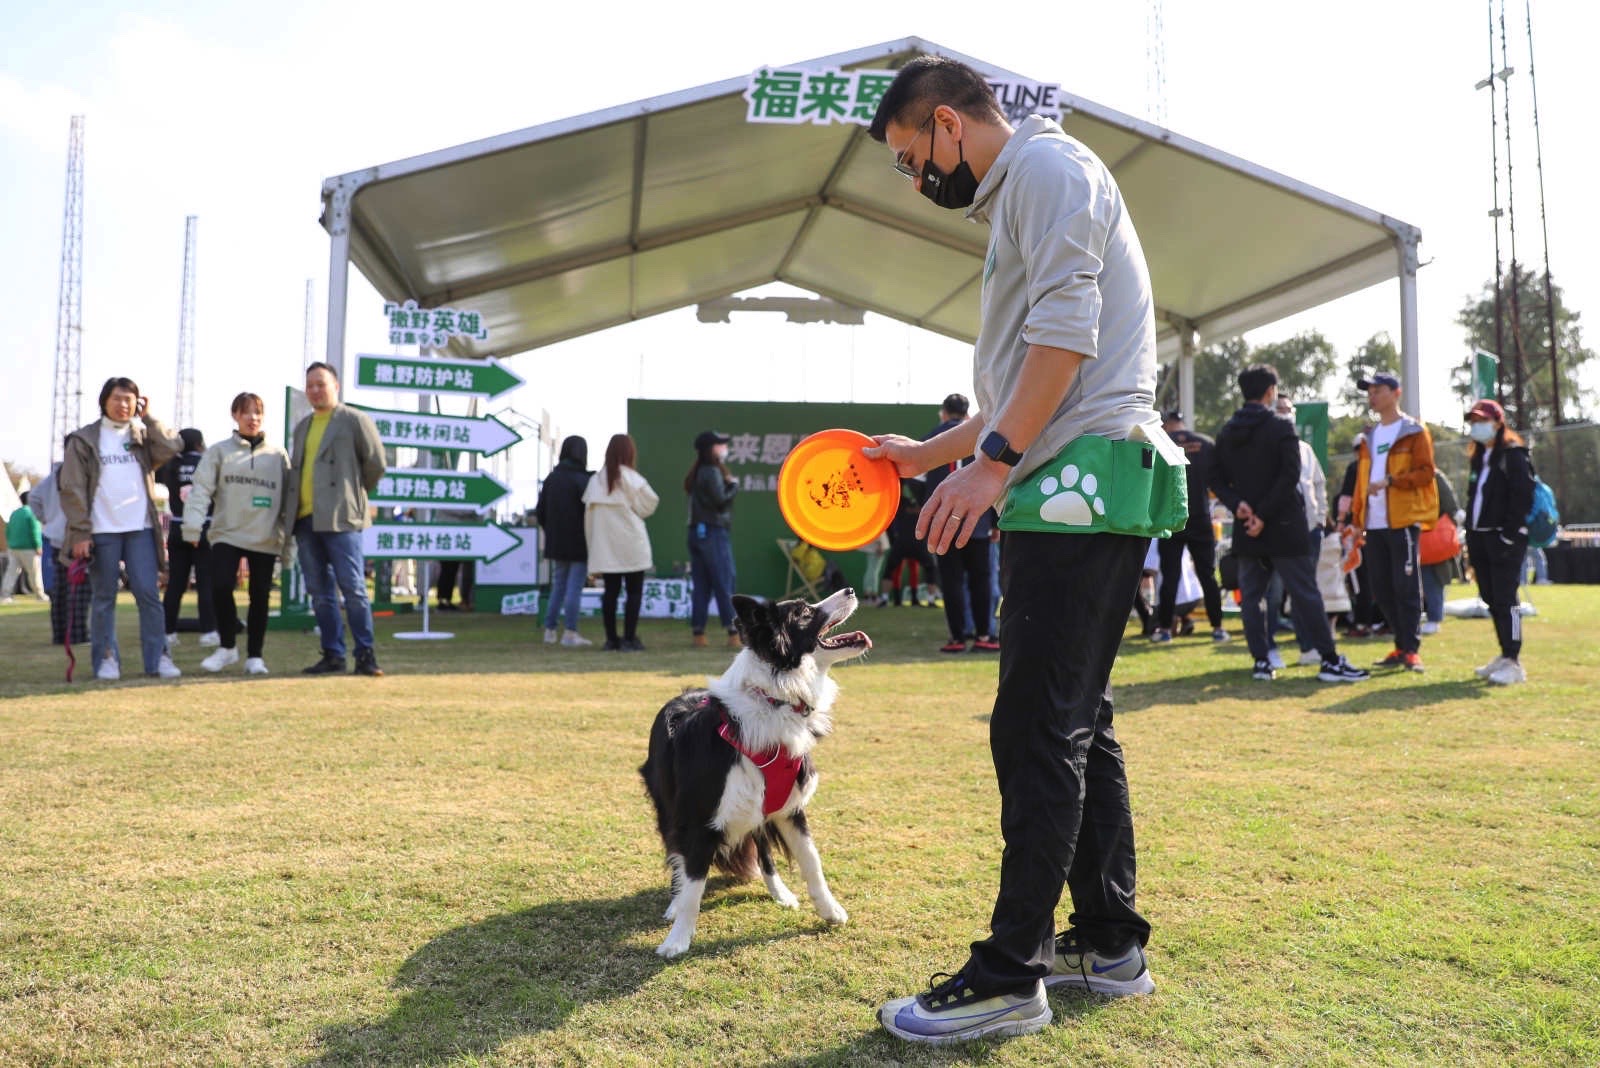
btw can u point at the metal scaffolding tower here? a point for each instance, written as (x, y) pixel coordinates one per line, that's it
(310, 313)
(67, 402)
(183, 409)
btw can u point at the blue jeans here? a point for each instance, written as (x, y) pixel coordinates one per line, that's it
(47, 564)
(1432, 594)
(136, 549)
(1299, 575)
(711, 569)
(333, 565)
(566, 592)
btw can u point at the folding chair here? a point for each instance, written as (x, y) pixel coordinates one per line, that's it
(796, 582)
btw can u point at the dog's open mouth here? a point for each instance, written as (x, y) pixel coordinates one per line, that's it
(855, 639)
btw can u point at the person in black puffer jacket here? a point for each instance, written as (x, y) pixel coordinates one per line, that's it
(559, 513)
(1256, 474)
(711, 489)
(177, 474)
(1499, 497)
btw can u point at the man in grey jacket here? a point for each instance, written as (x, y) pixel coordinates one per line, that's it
(337, 459)
(1064, 370)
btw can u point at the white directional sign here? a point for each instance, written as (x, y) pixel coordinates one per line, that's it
(438, 541)
(422, 430)
(404, 487)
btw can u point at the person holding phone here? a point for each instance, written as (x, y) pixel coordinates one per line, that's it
(107, 492)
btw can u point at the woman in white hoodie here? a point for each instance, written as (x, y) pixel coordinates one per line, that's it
(243, 482)
(615, 506)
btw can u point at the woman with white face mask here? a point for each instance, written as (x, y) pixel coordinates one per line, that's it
(1499, 496)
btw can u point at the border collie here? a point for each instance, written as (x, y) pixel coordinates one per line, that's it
(730, 768)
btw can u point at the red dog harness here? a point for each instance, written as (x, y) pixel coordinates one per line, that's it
(777, 766)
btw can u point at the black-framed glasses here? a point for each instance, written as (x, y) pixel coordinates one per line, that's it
(900, 164)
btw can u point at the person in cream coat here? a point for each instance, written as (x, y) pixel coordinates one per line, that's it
(616, 504)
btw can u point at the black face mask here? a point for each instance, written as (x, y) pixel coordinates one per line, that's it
(953, 190)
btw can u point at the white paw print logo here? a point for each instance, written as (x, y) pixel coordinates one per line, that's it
(1072, 500)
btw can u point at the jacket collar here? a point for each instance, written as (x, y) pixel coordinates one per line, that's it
(1031, 127)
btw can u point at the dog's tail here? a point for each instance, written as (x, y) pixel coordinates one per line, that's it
(738, 861)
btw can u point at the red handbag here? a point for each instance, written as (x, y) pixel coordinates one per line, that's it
(1439, 544)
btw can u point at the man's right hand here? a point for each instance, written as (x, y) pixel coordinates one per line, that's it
(905, 453)
(81, 550)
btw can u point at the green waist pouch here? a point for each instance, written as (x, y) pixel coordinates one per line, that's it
(1096, 485)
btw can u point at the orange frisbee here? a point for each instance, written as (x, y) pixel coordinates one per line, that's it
(834, 497)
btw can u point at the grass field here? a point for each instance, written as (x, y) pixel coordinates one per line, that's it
(455, 864)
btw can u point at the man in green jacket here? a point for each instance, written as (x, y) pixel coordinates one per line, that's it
(24, 539)
(338, 459)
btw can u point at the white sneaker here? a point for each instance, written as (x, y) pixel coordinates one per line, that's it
(42, 597)
(1490, 668)
(551, 635)
(1429, 627)
(1509, 673)
(573, 638)
(210, 640)
(8, 600)
(255, 666)
(167, 669)
(1309, 658)
(220, 659)
(172, 641)
(108, 671)
(1275, 658)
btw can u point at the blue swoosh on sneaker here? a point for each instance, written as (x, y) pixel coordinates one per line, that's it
(1098, 970)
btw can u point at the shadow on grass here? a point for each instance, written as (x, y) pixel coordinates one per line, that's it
(1406, 698)
(877, 1046)
(474, 988)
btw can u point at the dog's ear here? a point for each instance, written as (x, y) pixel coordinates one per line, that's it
(748, 612)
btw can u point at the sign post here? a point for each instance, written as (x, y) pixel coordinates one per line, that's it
(1485, 375)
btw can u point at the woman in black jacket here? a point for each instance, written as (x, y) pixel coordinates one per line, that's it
(711, 489)
(1499, 495)
(560, 515)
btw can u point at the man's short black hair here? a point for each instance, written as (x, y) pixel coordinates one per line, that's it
(956, 404)
(115, 384)
(320, 366)
(1255, 381)
(924, 84)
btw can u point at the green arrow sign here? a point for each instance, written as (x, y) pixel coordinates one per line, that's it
(419, 486)
(438, 541)
(462, 378)
(420, 430)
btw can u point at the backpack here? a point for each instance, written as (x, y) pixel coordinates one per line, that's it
(1544, 518)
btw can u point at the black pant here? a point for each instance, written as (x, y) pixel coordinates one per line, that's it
(1203, 551)
(1299, 575)
(902, 549)
(1391, 559)
(1498, 569)
(449, 570)
(225, 579)
(614, 581)
(182, 558)
(964, 579)
(1064, 810)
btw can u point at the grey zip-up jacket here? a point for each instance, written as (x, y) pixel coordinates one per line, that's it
(347, 467)
(152, 441)
(1064, 269)
(247, 489)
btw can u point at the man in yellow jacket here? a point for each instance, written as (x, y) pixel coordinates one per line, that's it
(1395, 500)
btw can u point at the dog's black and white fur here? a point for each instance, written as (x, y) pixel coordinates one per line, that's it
(709, 791)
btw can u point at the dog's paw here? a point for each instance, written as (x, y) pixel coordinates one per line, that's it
(833, 912)
(1072, 500)
(785, 897)
(672, 948)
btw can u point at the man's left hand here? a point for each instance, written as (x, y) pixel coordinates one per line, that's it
(952, 513)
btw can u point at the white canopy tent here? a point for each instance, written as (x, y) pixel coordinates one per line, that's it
(573, 226)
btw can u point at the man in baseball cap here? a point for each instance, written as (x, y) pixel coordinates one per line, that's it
(1396, 498)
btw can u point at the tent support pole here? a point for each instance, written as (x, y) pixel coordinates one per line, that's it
(1186, 372)
(1410, 361)
(337, 193)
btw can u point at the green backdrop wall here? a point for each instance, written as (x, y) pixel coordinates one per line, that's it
(763, 433)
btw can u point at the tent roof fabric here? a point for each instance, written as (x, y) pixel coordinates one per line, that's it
(573, 226)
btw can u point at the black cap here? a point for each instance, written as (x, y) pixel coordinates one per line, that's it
(1382, 378)
(711, 437)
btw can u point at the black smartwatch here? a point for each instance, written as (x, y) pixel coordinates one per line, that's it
(997, 448)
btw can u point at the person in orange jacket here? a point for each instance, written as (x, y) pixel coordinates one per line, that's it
(1395, 500)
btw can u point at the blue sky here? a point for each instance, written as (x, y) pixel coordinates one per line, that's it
(236, 112)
